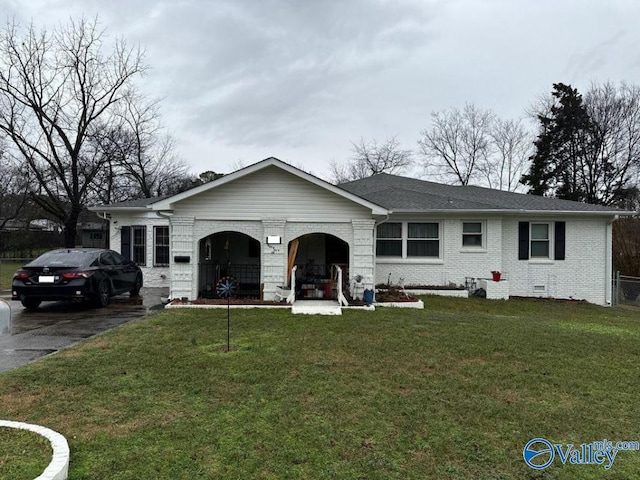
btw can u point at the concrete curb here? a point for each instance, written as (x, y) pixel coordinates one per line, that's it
(238, 307)
(419, 304)
(58, 468)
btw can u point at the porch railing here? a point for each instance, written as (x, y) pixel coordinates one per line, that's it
(341, 298)
(247, 275)
(292, 295)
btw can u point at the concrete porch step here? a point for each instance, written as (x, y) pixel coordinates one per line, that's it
(316, 307)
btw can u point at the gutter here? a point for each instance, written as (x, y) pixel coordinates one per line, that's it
(448, 211)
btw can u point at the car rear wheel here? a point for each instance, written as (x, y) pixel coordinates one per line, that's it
(135, 291)
(30, 303)
(103, 295)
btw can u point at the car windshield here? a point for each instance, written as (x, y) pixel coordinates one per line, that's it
(66, 258)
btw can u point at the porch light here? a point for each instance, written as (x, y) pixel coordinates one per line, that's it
(274, 240)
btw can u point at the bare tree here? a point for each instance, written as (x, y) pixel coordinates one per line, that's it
(511, 148)
(371, 158)
(457, 143)
(56, 90)
(139, 152)
(626, 246)
(611, 167)
(14, 190)
(588, 147)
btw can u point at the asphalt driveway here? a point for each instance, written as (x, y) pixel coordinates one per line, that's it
(58, 325)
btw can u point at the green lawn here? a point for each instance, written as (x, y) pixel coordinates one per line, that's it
(6, 274)
(453, 391)
(24, 455)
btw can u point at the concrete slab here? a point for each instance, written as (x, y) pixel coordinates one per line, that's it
(316, 307)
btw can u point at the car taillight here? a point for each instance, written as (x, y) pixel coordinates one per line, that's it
(74, 275)
(21, 275)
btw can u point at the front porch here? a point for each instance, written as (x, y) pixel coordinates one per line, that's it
(229, 254)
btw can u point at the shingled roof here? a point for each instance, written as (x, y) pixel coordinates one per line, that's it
(403, 194)
(138, 204)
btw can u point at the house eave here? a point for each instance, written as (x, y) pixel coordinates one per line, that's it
(107, 209)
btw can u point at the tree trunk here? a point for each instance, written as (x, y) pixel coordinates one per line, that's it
(71, 228)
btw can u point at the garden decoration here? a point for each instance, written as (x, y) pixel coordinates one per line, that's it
(227, 287)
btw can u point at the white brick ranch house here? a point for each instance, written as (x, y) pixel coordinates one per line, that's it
(257, 223)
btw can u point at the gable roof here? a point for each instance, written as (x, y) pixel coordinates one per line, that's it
(167, 203)
(411, 195)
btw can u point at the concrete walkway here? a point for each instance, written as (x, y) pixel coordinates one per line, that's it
(316, 307)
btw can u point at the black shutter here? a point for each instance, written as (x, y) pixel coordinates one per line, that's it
(523, 240)
(560, 236)
(125, 242)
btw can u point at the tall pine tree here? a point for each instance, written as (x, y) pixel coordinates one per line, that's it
(588, 150)
(561, 146)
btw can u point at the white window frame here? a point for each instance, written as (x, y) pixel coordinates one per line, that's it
(156, 245)
(405, 241)
(483, 235)
(549, 241)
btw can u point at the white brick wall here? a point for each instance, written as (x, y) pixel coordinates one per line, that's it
(583, 275)
(153, 276)
(456, 262)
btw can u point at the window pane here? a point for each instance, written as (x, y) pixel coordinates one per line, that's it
(390, 230)
(139, 249)
(162, 245)
(472, 240)
(423, 248)
(539, 231)
(389, 248)
(423, 230)
(472, 227)
(540, 248)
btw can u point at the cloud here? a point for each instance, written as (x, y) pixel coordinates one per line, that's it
(259, 72)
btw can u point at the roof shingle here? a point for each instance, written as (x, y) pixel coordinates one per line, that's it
(404, 194)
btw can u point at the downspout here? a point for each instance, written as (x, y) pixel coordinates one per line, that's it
(608, 272)
(375, 241)
(168, 216)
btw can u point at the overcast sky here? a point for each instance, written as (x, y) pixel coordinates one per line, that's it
(242, 80)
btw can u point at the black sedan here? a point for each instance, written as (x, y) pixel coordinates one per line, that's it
(76, 274)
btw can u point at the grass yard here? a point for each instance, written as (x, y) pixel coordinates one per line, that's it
(454, 391)
(6, 274)
(24, 455)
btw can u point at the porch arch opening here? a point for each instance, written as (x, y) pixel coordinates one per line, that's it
(229, 253)
(316, 255)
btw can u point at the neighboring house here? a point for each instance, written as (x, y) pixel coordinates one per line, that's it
(257, 222)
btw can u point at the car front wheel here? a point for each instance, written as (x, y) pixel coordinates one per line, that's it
(135, 291)
(30, 303)
(103, 296)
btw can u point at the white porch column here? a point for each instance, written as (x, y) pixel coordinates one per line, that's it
(363, 255)
(183, 274)
(274, 258)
